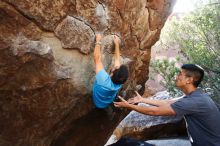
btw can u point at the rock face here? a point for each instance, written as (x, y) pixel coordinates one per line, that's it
(75, 33)
(46, 65)
(144, 127)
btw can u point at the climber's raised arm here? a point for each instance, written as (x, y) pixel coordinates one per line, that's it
(117, 52)
(97, 54)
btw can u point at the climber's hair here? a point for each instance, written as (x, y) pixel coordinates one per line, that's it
(120, 75)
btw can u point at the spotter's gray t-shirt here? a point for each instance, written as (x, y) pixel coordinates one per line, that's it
(202, 118)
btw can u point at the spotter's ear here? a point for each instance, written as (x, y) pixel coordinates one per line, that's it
(189, 80)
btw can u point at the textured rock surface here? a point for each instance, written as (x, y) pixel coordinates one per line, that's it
(46, 64)
(145, 127)
(180, 141)
(75, 33)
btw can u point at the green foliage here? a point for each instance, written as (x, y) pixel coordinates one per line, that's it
(198, 38)
(168, 71)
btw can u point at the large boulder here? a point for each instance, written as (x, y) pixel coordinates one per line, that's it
(145, 127)
(46, 65)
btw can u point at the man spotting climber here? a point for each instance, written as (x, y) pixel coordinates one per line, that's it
(106, 87)
(199, 111)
